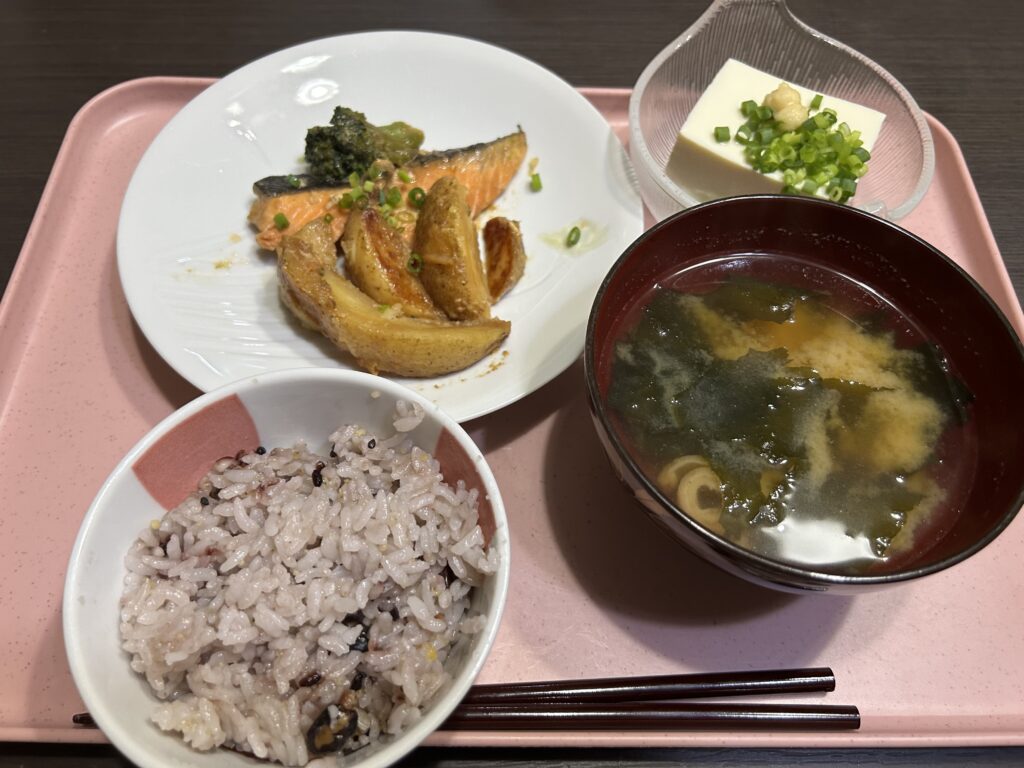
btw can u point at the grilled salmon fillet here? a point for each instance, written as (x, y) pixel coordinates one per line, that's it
(485, 170)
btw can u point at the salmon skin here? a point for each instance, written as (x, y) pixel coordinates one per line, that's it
(484, 169)
(275, 186)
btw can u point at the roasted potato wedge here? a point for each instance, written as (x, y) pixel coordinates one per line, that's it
(305, 319)
(406, 346)
(311, 248)
(446, 240)
(314, 245)
(380, 341)
(504, 255)
(377, 262)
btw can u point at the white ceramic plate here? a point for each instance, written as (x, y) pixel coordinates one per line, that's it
(206, 297)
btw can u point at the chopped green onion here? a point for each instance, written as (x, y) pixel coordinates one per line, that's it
(821, 157)
(367, 186)
(354, 180)
(346, 200)
(393, 197)
(573, 237)
(535, 182)
(417, 197)
(280, 221)
(721, 133)
(415, 263)
(328, 218)
(808, 154)
(382, 308)
(294, 181)
(853, 163)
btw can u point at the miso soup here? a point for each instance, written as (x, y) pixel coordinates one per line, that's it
(794, 412)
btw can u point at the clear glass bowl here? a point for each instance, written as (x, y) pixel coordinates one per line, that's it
(766, 35)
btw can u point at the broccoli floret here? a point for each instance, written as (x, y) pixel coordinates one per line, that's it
(351, 143)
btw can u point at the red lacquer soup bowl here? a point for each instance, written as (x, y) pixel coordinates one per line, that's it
(943, 441)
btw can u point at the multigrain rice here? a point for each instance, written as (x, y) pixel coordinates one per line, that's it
(292, 590)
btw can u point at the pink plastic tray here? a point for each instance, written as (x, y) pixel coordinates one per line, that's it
(595, 590)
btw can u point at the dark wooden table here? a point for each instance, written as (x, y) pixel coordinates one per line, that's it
(962, 60)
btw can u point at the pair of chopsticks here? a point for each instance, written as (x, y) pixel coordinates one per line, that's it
(652, 704)
(647, 704)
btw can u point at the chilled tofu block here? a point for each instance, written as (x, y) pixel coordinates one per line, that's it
(709, 169)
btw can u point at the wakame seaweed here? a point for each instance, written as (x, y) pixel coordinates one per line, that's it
(797, 452)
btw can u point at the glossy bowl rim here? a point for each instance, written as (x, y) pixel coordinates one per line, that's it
(679, 195)
(440, 708)
(751, 562)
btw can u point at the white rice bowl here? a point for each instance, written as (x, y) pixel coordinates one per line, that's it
(292, 587)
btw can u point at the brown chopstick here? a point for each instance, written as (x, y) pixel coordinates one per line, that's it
(659, 687)
(653, 717)
(644, 703)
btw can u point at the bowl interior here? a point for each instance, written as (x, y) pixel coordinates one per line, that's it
(765, 35)
(273, 410)
(981, 348)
